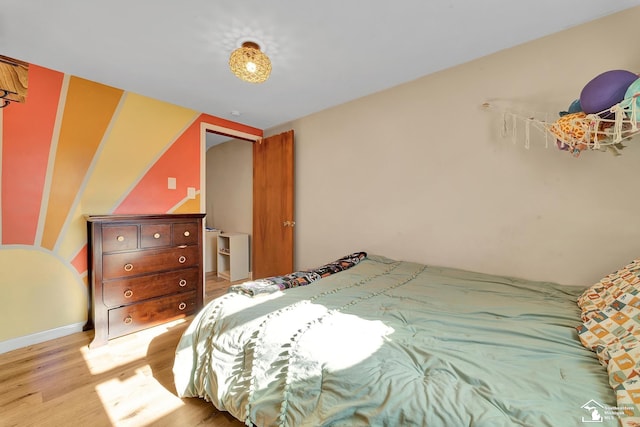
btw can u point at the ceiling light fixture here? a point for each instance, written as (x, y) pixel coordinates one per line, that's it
(248, 63)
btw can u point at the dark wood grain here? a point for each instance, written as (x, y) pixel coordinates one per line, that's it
(129, 290)
(144, 270)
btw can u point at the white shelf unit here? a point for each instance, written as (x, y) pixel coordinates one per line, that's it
(233, 256)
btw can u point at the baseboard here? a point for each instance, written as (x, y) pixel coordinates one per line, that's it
(37, 338)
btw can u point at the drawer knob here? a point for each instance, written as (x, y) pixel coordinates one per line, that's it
(120, 238)
(182, 259)
(187, 234)
(182, 283)
(128, 293)
(128, 320)
(128, 267)
(182, 306)
(156, 236)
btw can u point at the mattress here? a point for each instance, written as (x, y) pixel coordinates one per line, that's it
(396, 343)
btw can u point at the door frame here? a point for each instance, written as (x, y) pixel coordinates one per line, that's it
(224, 130)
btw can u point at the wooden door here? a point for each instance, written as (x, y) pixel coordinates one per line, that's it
(273, 222)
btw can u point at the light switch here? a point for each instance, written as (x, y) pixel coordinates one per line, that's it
(171, 183)
(191, 192)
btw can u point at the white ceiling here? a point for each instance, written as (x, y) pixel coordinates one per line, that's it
(323, 52)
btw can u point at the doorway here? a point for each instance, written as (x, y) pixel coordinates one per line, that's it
(228, 189)
(234, 171)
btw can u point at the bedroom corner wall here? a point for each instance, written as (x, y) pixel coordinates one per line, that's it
(78, 147)
(420, 171)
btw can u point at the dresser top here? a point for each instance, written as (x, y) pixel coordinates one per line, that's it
(142, 217)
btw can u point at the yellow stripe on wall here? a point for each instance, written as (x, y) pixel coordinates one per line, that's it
(141, 131)
(188, 206)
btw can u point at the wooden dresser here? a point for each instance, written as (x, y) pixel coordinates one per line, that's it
(143, 270)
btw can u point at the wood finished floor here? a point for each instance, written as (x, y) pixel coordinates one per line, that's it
(128, 382)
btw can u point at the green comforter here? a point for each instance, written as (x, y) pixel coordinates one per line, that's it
(390, 343)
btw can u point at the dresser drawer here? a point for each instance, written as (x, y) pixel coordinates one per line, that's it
(119, 238)
(131, 318)
(185, 233)
(127, 264)
(155, 235)
(128, 291)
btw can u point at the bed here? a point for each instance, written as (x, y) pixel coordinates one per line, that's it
(396, 343)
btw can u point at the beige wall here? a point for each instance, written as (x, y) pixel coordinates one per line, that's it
(230, 186)
(420, 172)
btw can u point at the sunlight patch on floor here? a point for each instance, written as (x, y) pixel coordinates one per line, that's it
(121, 401)
(131, 348)
(132, 396)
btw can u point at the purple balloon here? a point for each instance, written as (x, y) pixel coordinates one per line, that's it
(605, 90)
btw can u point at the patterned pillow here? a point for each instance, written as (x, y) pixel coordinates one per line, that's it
(611, 328)
(297, 278)
(603, 293)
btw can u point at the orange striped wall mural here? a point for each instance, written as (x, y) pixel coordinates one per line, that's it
(78, 147)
